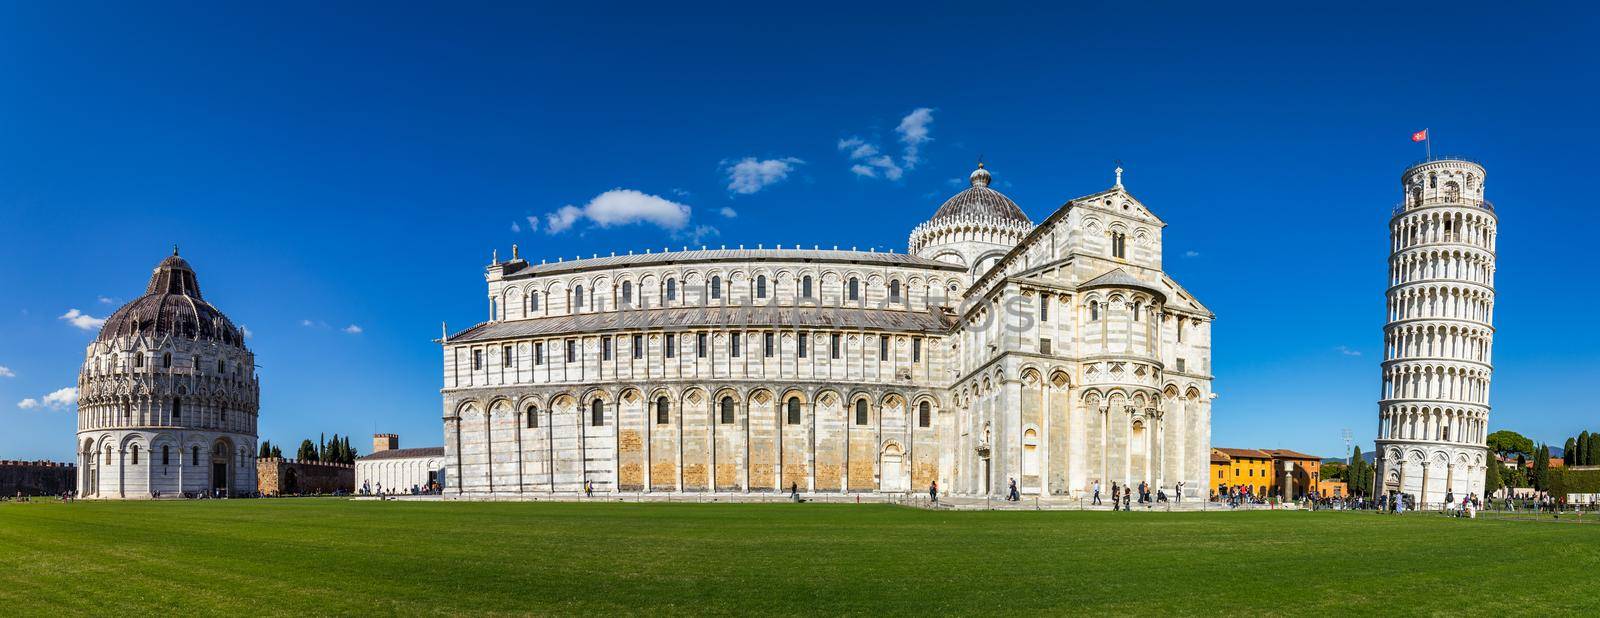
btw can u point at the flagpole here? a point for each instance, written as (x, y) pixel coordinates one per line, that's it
(1427, 141)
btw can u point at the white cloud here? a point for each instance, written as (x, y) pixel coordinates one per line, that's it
(533, 223)
(728, 212)
(621, 207)
(913, 132)
(1345, 350)
(82, 320)
(106, 300)
(869, 163)
(1191, 253)
(57, 400)
(750, 175)
(696, 235)
(352, 329)
(515, 227)
(62, 398)
(6, 372)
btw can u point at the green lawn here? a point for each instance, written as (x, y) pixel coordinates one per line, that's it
(270, 557)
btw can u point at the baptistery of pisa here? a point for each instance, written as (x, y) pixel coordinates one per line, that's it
(167, 397)
(1056, 354)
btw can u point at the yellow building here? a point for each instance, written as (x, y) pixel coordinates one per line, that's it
(1241, 467)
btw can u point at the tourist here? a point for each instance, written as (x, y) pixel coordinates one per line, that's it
(1096, 492)
(933, 492)
(1177, 493)
(1127, 495)
(1116, 495)
(588, 489)
(794, 491)
(1013, 495)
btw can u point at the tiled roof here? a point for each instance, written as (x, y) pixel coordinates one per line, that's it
(405, 453)
(516, 270)
(1121, 279)
(1245, 452)
(1283, 453)
(1219, 457)
(709, 317)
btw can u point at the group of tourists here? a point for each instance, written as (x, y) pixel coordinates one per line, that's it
(432, 487)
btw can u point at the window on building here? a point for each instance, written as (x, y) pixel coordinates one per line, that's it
(166, 360)
(1044, 346)
(1138, 308)
(761, 286)
(883, 347)
(794, 410)
(1180, 364)
(572, 350)
(766, 345)
(577, 297)
(221, 367)
(1094, 311)
(894, 291)
(627, 293)
(670, 343)
(700, 345)
(672, 289)
(727, 410)
(1044, 308)
(1180, 330)
(196, 363)
(605, 348)
(916, 349)
(138, 360)
(533, 301)
(533, 417)
(861, 411)
(716, 287)
(733, 345)
(1118, 244)
(597, 413)
(833, 345)
(177, 409)
(661, 410)
(509, 356)
(194, 455)
(805, 286)
(924, 414)
(127, 410)
(800, 342)
(638, 346)
(166, 455)
(477, 360)
(135, 454)
(854, 291)
(538, 353)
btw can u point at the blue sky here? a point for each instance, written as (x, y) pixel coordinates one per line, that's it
(325, 167)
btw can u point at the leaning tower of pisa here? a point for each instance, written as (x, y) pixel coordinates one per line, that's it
(1433, 415)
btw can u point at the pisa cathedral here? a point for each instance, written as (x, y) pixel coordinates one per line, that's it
(1057, 354)
(1433, 413)
(167, 397)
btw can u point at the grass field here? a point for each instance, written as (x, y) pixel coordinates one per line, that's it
(316, 557)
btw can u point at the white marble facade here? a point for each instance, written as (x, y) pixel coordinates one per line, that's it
(1056, 354)
(1433, 413)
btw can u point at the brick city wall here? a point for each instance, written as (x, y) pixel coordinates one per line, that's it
(37, 478)
(276, 476)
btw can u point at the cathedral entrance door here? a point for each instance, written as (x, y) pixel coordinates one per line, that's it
(892, 475)
(219, 475)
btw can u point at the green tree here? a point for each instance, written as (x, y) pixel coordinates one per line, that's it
(1569, 452)
(1585, 442)
(349, 453)
(1508, 443)
(1541, 469)
(1491, 477)
(1335, 471)
(277, 452)
(1593, 452)
(266, 450)
(308, 451)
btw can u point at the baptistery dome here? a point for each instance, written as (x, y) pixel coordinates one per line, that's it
(171, 304)
(167, 397)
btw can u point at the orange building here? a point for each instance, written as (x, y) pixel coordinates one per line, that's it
(1241, 467)
(1295, 474)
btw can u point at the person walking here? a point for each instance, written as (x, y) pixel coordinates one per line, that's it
(588, 489)
(933, 492)
(1116, 495)
(1096, 492)
(1012, 494)
(1127, 496)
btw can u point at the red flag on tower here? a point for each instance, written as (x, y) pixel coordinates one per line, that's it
(1420, 136)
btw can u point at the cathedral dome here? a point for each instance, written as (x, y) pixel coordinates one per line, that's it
(171, 305)
(980, 202)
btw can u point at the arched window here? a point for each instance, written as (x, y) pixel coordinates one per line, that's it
(194, 455)
(794, 410)
(166, 360)
(661, 410)
(805, 286)
(1433, 181)
(1094, 311)
(894, 291)
(716, 287)
(533, 416)
(727, 410)
(138, 360)
(135, 454)
(1137, 309)
(221, 367)
(577, 297)
(861, 411)
(924, 414)
(597, 413)
(761, 286)
(855, 289)
(627, 292)
(177, 409)
(533, 301)
(166, 455)
(672, 289)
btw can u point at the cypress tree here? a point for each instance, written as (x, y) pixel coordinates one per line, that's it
(1569, 451)
(1541, 468)
(277, 452)
(1585, 441)
(349, 453)
(1491, 477)
(1593, 453)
